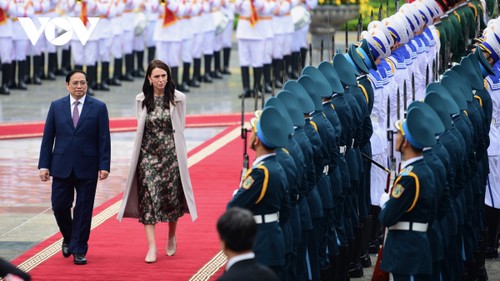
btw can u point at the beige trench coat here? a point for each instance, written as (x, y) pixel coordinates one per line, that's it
(130, 203)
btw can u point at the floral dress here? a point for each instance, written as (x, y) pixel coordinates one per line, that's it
(161, 198)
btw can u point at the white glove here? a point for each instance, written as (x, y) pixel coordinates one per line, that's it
(383, 199)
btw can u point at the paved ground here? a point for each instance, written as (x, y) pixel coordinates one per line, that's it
(25, 201)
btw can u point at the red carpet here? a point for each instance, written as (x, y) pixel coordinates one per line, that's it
(35, 129)
(117, 250)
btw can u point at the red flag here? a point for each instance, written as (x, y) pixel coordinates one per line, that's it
(83, 14)
(169, 17)
(254, 17)
(3, 18)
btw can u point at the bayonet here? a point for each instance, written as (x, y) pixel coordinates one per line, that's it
(371, 16)
(284, 72)
(405, 98)
(299, 67)
(310, 54)
(397, 5)
(387, 9)
(333, 48)
(426, 75)
(346, 38)
(412, 88)
(360, 26)
(398, 104)
(380, 12)
(321, 48)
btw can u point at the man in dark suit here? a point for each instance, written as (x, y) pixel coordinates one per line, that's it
(237, 231)
(75, 151)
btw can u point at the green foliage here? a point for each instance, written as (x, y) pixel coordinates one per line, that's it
(365, 10)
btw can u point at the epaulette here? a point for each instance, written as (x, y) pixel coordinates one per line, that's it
(429, 37)
(406, 171)
(494, 82)
(377, 78)
(398, 58)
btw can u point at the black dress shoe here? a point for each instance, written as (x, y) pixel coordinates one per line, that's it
(246, 94)
(365, 260)
(491, 253)
(216, 74)
(184, 87)
(226, 71)
(79, 259)
(90, 91)
(194, 83)
(103, 87)
(278, 84)
(294, 75)
(65, 250)
(4, 90)
(21, 86)
(114, 82)
(207, 78)
(127, 77)
(50, 76)
(61, 72)
(267, 88)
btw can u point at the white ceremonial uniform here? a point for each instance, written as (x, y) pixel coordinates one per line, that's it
(21, 40)
(207, 22)
(42, 8)
(84, 55)
(117, 29)
(128, 17)
(283, 29)
(168, 34)
(266, 17)
(492, 196)
(187, 33)
(227, 8)
(152, 10)
(300, 36)
(7, 12)
(250, 38)
(197, 28)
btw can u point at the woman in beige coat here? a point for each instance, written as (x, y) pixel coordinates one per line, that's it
(158, 186)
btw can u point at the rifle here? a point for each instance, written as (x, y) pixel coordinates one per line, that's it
(405, 98)
(244, 137)
(387, 9)
(371, 16)
(375, 163)
(263, 97)
(426, 75)
(397, 5)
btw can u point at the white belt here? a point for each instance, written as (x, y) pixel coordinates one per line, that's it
(259, 219)
(411, 226)
(342, 149)
(326, 168)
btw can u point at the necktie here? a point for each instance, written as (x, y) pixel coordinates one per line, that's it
(76, 115)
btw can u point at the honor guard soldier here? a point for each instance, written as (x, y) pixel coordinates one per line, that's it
(300, 43)
(227, 7)
(318, 189)
(263, 189)
(303, 164)
(250, 33)
(21, 43)
(411, 205)
(318, 87)
(6, 13)
(442, 103)
(292, 230)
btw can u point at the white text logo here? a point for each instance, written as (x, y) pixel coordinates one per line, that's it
(67, 25)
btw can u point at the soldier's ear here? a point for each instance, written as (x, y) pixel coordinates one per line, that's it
(491, 61)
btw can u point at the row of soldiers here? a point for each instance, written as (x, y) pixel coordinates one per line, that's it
(175, 32)
(319, 188)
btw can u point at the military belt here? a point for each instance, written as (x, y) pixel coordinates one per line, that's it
(343, 149)
(410, 226)
(267, 218)
(326, 168)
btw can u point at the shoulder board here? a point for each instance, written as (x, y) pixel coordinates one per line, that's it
(494, 82)
(406, 171)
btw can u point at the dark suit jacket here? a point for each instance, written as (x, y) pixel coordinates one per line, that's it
(85, 150)
(248, 270)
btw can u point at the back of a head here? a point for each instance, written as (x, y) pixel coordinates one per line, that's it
(237, 228)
